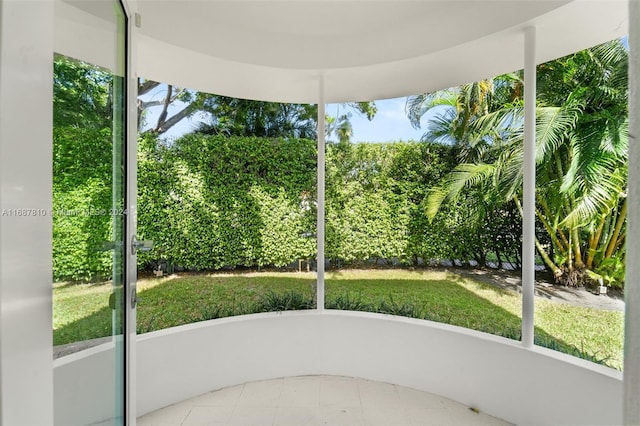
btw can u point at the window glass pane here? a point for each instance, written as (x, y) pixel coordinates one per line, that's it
(581, 202)
(386, 253)
(229, 197)
(88, 215)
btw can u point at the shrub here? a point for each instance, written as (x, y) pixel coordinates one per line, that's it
(212, 202)
(346, 302)
(289, 301)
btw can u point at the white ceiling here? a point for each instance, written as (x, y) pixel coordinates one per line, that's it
(363, 50)
(329, 35)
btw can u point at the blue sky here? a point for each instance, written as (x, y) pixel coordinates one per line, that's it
(389, 124)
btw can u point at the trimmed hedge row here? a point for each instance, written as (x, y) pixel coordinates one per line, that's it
(212, 202)
(81, 203)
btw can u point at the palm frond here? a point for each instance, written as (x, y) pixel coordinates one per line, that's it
(440, 127)
(435, 198)
(595, 178)
(611, 54)
(416, 106)
(616, 141)
(502, 124)
(511, 172)
(463, 176)
(553, 128)
(601, 197)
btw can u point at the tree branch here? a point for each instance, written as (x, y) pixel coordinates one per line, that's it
(147, 86)
(142, 105)
(165, 109)
(175, 119)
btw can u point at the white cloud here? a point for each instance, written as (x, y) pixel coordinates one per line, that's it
(389, 124)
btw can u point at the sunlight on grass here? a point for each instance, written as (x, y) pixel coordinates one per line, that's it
(441, 296)
(173, 301)
(80, 310)
(73, 304)
(598, 332)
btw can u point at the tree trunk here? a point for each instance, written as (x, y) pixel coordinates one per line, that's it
(499, 259)
(553, 231)
(165, 109)
(543, 254)
(593, 243)
(576, 247)
(614, 238)
(557, 272)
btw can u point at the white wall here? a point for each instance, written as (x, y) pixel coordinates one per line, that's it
(498, 376)
(26, 374)
(85, 36)
(84, 386)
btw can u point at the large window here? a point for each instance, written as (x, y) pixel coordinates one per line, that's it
(89, 213)
(423, 206)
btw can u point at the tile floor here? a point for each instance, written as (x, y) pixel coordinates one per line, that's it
(317, 400)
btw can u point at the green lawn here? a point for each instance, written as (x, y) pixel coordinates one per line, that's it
(81, 311)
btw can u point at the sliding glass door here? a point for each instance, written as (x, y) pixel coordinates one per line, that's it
(91, 248)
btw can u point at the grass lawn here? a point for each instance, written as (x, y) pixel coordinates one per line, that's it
(81, 311)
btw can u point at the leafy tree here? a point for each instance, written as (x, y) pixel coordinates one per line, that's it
(340, 125)
(242, 117)
(82, 169)
(192, 103)
(581, 159)
(81, 94)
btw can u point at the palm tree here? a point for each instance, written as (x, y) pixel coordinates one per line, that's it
(340, 124)
(581, 151)
(460, 108)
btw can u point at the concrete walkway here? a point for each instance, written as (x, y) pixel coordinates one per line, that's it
(614, 301)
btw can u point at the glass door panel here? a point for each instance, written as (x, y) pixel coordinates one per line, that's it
(89, 213)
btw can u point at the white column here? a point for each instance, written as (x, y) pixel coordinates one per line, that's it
(529, 187)
(26, 112)
(631, 372)
(320, 217)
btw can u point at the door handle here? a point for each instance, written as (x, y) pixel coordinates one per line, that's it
(140, 245)
(134, 298)
(109, 245)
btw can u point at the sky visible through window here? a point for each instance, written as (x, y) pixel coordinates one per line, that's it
(390, 123)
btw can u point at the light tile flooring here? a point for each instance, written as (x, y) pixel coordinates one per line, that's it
(317, 400)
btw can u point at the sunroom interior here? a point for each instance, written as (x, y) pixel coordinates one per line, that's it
(314, 52)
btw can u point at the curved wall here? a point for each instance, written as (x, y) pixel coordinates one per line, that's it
(496, 375)
(79, 383)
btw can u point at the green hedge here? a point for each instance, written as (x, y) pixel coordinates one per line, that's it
(212, 202)
(81, 203)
